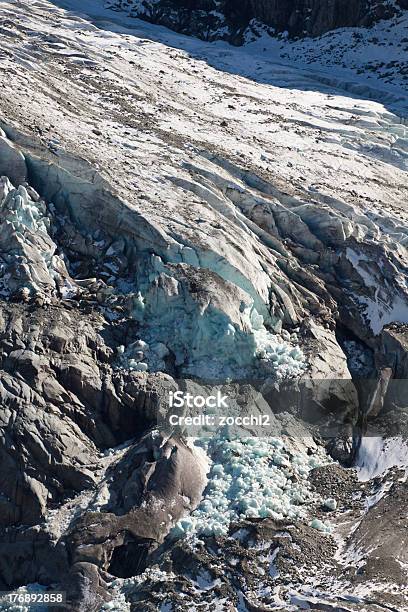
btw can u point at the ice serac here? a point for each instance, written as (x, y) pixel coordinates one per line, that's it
(12, 161)
(197, 305)
(30, 264)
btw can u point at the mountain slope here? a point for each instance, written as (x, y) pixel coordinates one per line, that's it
(177, 215)
(373, 56)
(213, 19)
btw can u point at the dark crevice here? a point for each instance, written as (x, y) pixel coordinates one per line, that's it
(360, 357)
(130, 559)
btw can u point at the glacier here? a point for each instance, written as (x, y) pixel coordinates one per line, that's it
(174, 213)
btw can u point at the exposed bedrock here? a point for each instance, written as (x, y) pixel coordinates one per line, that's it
(394, 347)
(63, 407)
(157, 480)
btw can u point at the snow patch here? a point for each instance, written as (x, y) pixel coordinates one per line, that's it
(378, 455)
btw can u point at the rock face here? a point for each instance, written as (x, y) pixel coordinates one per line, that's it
(61, 403)
(212, 19)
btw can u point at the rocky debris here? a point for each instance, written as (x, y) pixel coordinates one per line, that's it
(214, 19)
(278, 564)
(261, 564)
(384, 555)
(331, 482)
(229, 570)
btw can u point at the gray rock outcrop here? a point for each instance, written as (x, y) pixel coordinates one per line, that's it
(212, 19)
